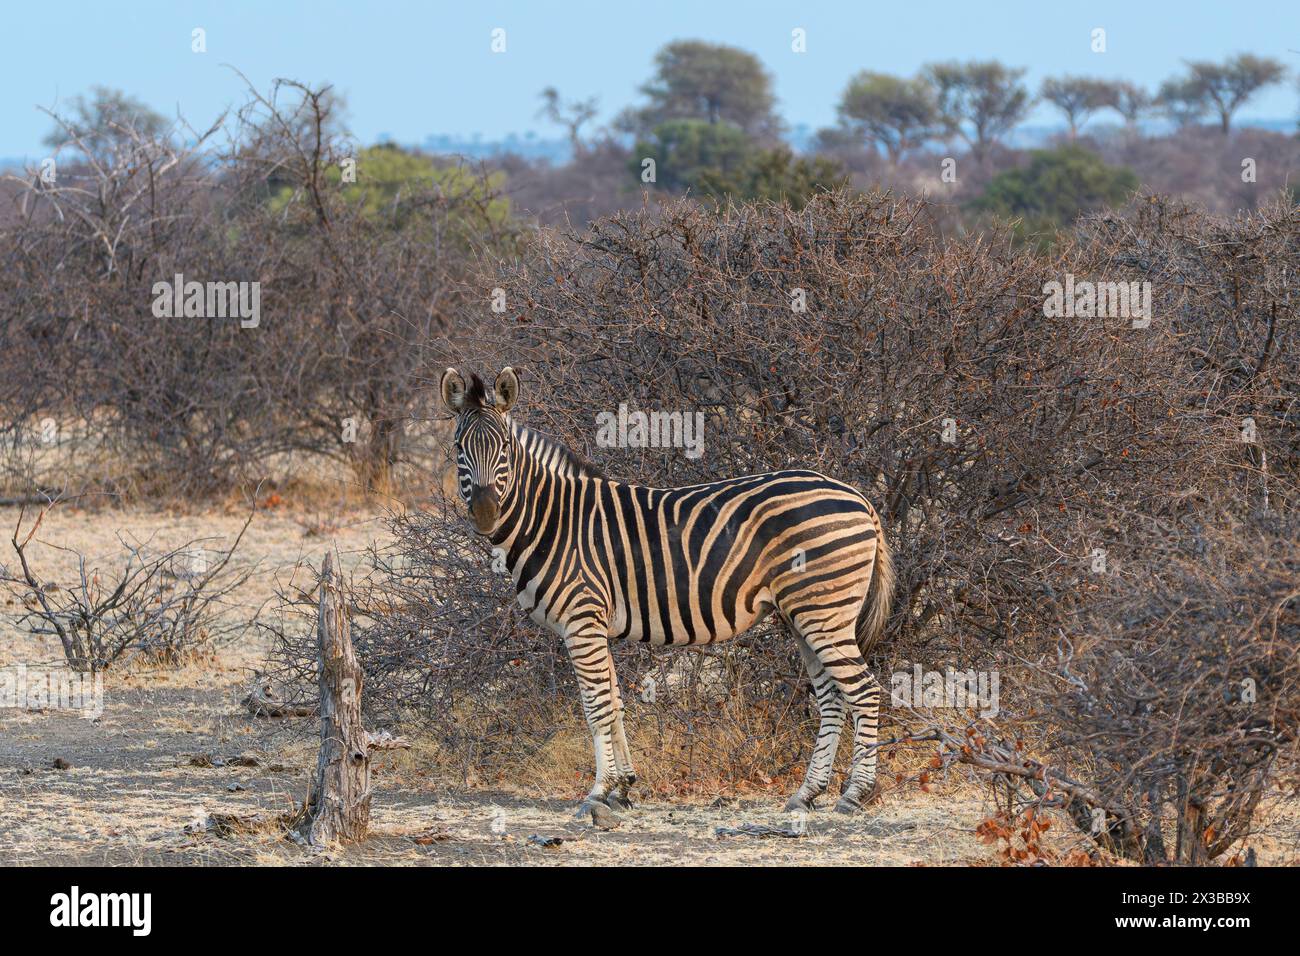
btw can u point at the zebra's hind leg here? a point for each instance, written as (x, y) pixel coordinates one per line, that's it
(589, 652)
(831, 707)
(838, 653)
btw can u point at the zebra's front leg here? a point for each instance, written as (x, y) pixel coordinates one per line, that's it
(589, 651)
(830, 706)
(621, 796)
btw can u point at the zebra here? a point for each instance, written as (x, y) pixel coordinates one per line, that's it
(596, 560)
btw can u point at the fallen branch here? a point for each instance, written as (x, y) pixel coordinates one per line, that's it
(1119, 834)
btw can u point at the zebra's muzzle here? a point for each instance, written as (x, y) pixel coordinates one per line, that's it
(483, 508)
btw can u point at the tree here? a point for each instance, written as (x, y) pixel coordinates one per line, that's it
(1183, 101)
(572, 115)
(1228, 85)
(104, 121)
(688, 151)
(1078, 97)
(1128, 100)
(719, 160)
(706, 81)
(1053, 190)
(388, 176)
(987, 96)
(780, 176)
(303, 128)
(897, 114)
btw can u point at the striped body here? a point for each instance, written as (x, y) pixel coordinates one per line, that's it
(597, 560)
(691, 565)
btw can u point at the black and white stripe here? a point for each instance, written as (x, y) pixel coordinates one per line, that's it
(598, 560)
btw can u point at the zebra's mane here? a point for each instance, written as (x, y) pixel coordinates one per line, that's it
(554, 455)
(477, 394)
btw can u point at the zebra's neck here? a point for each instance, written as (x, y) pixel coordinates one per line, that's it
(542, 469)
(547, 453)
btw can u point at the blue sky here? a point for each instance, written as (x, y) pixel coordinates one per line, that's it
(414, 69)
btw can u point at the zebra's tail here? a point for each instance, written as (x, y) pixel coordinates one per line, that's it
(880, 596)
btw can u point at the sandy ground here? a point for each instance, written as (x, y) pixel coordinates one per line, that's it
(282, 545)
(141, 783)
(129, 784)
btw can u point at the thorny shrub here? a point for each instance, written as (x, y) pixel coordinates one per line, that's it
(1024, 463)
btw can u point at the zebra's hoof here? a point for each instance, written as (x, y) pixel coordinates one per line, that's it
(600, 814)
(621, 801)
(853, 799)
(799, 803)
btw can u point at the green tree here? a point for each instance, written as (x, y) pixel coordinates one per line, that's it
(979, 101)
(706, 81)
(895, 113)
(387, 173)
(105, 120)
(688, 152)
(1053, 190)
(777, 174)
(719, 160)
(1078, 97)
(1227, 86)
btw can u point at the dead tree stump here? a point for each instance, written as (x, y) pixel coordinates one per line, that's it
(338, 807)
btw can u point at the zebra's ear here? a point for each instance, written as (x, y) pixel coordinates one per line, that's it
(453, 390)
(507, 389)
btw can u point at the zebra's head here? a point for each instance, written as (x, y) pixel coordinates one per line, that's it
(483, 465)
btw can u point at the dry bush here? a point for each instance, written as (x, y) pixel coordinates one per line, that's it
(594, 183)
(1059, 426)
(1226, 294)
(1018, 459)
(164, 603)
(201, 404)
(1201, 165)
(443, 645)
(1182, 695)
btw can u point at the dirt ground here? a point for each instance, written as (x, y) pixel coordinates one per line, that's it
(147, 782)
(137, 777)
